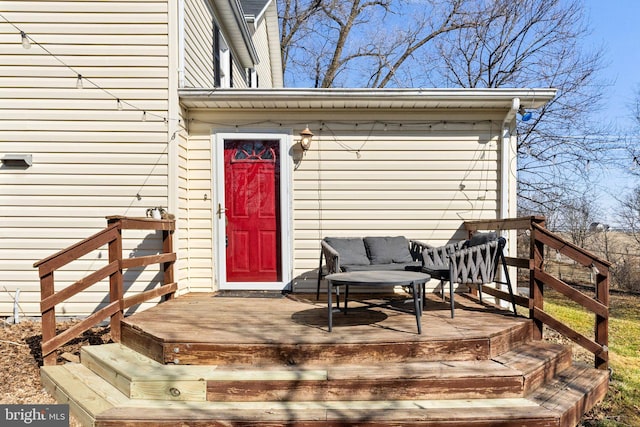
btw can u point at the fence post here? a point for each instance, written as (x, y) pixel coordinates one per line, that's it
(115, 283)
(602, 323)
(167, 248)
(48, 317)
(536, 287)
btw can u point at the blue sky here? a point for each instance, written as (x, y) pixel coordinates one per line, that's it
(616, 27)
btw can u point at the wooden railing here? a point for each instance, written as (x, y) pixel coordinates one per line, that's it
(111, 236)
(538, 278)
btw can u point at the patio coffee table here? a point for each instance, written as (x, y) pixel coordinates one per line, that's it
(412, 279)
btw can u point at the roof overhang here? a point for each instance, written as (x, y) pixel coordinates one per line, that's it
(378, 99)
(232, 17)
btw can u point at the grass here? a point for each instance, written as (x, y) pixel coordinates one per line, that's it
(621, 406)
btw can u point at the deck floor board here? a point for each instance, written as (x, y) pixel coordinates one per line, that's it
(207, 318)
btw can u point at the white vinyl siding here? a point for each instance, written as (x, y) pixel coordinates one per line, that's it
(409, 179)
(261, 41)
(199, 21)
(239, 75)
(196, 239)
(90, 160)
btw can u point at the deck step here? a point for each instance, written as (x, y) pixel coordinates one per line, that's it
(139, 377)
(573, 392)
(477, 413)
(513, 374)
(86, 393)
(538, 361)
(560, 403)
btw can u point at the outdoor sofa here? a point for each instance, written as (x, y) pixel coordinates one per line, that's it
(345, 254)
(470, 262)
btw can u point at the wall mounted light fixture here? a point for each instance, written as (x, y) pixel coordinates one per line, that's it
(525, 115)
(305, 139)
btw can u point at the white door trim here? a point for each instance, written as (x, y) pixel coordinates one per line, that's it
(286, 209)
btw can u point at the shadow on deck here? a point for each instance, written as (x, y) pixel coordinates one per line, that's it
(203, 328)
(206, 359)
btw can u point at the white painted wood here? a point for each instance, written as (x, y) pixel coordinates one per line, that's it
(286, 214)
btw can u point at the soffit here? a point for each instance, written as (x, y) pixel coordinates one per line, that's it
(253, 7)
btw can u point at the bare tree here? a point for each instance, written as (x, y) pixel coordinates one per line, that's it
(536, 43)
(362, 43)
(631, 146)
(578, 217)
(466, 43)
(629, 213)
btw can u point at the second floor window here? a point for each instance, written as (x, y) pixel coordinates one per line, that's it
(222, 64)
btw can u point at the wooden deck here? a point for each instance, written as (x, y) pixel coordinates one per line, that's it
(212, 329)
(206, 359)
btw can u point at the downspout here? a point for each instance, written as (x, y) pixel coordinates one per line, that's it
(505, 171)
(505, 157)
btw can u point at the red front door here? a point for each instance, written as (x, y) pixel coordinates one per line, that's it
(252, 198)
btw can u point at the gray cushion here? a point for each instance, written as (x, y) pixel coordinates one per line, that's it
(350, 249)
(386, 250)
(480, 239)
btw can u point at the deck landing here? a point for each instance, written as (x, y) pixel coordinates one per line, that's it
(292, 330)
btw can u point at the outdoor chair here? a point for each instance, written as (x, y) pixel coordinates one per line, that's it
(471, 262)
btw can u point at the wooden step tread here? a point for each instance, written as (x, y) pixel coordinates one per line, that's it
(476, 412)
(140, 377)
(538, 361)
(134, 365)
(573, 392)
(86, 393)
(527, 357)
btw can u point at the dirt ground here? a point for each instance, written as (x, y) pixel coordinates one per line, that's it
(21, 358)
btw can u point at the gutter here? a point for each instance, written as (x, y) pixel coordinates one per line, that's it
(292, 98)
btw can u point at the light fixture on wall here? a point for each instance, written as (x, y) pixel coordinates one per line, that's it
(305, 139)
(525, 115)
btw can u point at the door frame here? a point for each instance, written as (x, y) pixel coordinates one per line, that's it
(286, 208)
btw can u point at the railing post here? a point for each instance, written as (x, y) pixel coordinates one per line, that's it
(115, 284)
(536, 287)
(167, 248)
(602, 323)
(48, 317)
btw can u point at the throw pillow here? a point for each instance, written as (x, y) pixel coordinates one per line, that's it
(350, 249)
(387, 250)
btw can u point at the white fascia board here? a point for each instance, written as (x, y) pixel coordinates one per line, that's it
(365, 98)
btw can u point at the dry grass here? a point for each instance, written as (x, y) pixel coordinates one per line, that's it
(621, 406)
